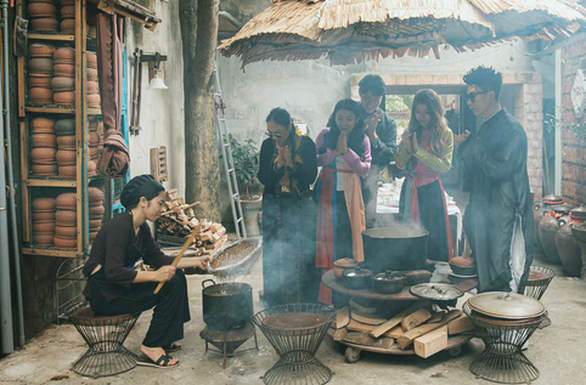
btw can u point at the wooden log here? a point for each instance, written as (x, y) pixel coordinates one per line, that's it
(431, 343)
(415, 319)
(366, 319)
(342, 318)
(356, 326)
(407, 338)
(396, 319)
(460, 325)
(395, 332)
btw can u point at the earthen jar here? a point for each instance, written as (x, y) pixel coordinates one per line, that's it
(567, 247)
(65, 98)
(540, 208)
(67, 172)
(40, 50)
(66, 142)
(95, 196)
(39, 82)
(44, 169)
(44, 240)
(93, 139)
(64, 55)
(45, 24)
(41, 122)
(92, 74)
(60, 83)
(92, 235)
(548, 228)
(92, 60)
(41, 95)
(66, 157)
(40, 154)
(43, 204)
(93, 101)
(64, 243)
(66, 201)
(65, 216)
(43, 217)
(45, 228)
(94, 224)
(66, 231)
(65, 127)
(36, 10)
(91, 168)
(93, 152)
(96, 211)
(67, 11)
(92, 88)
(42, 65)
(44, 140)
(65, 70)
(67, 27)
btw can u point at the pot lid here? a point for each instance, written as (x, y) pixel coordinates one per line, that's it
(563, 208)
(389, 276)
(356, 272)
(552, 199)
(578, 212)
(506, 305)
(436, 291)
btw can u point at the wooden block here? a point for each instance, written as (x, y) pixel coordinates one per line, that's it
(415, 319)
(396, 319)
(460, 325)
(429, 344)
(407, 338)
(370, 310)
(356, 326)
(215, 227)
(342, 318)
(367, 319)
(395, 332)
(340, 334)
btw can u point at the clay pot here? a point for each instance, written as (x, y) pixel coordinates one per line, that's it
(95, 196)
(43, 154)
(36, 10)
(93, 153)
(96, 211)
(44, 169)
(44, 140)
(40, 50)
(66, 98)
(93, 139)
(44, 24)
(64, 55)
(567, 246)
(67, 172)
(65, 70)
(41, 95)
(44, 240)
(93, 101)
(43, 123)
(43, 204)
(343, 264)
(60, 83)
(66, 142)
(41, 65)
(66, 201)
(67, 27)
(67, 11)
(548, 227)
(67, 2)
(92, 88)
(92, 74)
(66, 157)
(91, 168)
(92, 60)
(43, 216)
(92, 235)
(95, 224)
(64, 243)
(540, 209)
(44, 228)
(66, 231)
(66, 216)
(65, 127)
(39, 82)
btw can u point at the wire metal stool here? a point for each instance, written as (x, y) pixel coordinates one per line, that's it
(105, 335)
(539, 279)
(502, 359)
(296, 331)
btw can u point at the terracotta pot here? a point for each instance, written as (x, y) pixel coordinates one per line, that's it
(67, 11)
(68, 2)
(93, 153)
(66, 216)
(92, 235)
(36, 10)
(44, 140)
(67, 27)
(92, 88)
(41, 65)
(93, 139)
(65, 127)
(91, 168)
(64, 55)
(66, 231)
(44, 24)
(43, 204)
(44, 240)
(60, 83)
(342, 264)
(64, 243)
(44, 169)
(548, 228)
(39, 82)
(95, 196)
(93, 101)
(67, 172)
(41, 95)
(92, 60)
(66, 98)
(66, 157)
(40, 50)
(66, 142)
(43, 154)
(92, 74)
(94, 224)
(65, 70)
(43, 217)
(44, 228)
(66, 201)
(567, 246)
(43, 123)
(96, 211)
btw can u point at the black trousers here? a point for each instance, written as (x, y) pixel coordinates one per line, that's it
(171, 305)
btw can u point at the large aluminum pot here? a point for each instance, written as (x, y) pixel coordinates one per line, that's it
(226, 305)
(399, 247)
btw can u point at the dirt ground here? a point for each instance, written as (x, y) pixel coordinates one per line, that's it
(557, 351)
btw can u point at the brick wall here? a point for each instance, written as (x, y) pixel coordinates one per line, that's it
(573, 146)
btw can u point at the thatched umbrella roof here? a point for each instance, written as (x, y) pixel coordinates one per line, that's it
(354, 30)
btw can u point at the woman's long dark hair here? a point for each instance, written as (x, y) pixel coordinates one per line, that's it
(356, 136)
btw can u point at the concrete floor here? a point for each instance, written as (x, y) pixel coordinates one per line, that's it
(557, 351)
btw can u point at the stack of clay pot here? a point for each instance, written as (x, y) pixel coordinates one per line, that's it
(67, 17)
(63, 83)
(548, 227)
(95, 145)
(567, 246)
(40, 72)
(92, 21)
(93, 95)
(66, 153)
(96, 211)
(66, 222)
(43, 147)
(43, 16)
(43, 221)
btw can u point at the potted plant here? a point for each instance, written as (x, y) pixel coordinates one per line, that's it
(246, 158)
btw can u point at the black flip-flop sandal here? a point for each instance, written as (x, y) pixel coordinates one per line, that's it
(161, 363)
(173, 347)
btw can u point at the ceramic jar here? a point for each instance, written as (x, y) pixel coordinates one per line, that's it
(540, 208)
(548, 228)
(567, 247)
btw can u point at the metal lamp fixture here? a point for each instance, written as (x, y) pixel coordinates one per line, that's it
(154, 60)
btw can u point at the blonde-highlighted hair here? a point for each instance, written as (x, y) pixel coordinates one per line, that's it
(437, 124)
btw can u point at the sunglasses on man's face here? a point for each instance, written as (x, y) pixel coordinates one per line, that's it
(276, 135)
(472, 95)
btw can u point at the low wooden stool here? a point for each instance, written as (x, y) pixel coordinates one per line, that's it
(104, 335)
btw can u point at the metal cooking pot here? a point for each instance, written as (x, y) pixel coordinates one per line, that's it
(389, 282)
(226, 305)
(357, 278)
(395, 248)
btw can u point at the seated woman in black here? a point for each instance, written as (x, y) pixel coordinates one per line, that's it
(115, 288)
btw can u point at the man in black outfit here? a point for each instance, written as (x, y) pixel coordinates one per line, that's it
(382, 133)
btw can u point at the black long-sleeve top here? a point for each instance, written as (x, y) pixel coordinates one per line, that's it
(383, 150)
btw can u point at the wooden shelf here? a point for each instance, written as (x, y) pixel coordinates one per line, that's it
(50, 110)
(50, 183)
(51, 37)
(51, 252)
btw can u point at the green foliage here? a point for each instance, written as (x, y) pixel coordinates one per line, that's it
(398, 102)
(246, 158)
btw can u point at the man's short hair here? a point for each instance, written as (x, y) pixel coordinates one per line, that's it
(372, 83)
(485, 78)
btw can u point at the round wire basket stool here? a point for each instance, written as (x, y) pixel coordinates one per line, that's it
(502, 359)
(296, 331)
(106, 356)
(539, 279)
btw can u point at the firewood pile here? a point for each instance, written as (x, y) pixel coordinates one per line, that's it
(179, 221)
(420, 329)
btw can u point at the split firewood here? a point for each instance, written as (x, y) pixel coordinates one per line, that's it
(460, 325)
(407, 338)
(356, 326)
(431, 343)
(396, 320)
(342, 318)
(415, 319)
